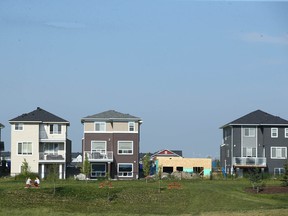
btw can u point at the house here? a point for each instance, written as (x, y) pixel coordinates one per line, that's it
(256, 140)
(111, 144)
(40, 138)
(170, 161)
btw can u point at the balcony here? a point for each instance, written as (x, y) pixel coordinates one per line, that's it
(249, 162)
(99, 157)
(43, 157)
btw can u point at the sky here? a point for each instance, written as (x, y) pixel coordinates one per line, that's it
(184, 67)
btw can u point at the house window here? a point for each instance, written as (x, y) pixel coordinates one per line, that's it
(278, 171)
(274, 132)
(100, 126)
(286, 132)
(98, 146)
(278, 152)
(249, 132)
(19, 126)
(51, 148)
(249, 152)
(25, 148)
(131, 126)
(55, 129)
(125, 169)
(98, 170)
(125, 147)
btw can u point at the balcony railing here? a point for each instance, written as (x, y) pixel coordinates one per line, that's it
(51, 157)
(99, 157)
(249, 161)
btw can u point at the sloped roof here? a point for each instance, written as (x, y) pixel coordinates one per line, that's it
(168, 153)
(39, 115)
(1, 125)
(258, 117)
(110, 115)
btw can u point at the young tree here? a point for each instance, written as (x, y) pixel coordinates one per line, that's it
(86, 168)
(285, 176)
(53, 175)
(146, 165)
(255, 179)
(25, 168)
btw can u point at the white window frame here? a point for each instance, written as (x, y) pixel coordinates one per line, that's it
(54, 150)
(102, 126)
(249, 152)
(125, 174)
(126, 151)
(19, 127)
(251, 131)
(22, 145)
(101, 151)
(272, 133)
(286, 132)
(131, 126)
(98, 173)
(278, 152)
(280, 171)
(56, 129)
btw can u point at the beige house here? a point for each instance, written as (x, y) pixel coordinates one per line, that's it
(40, 138)
(171, 161)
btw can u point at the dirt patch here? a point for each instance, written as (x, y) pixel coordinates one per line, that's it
(269, 190)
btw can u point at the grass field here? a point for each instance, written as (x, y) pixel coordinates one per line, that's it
(197, 197)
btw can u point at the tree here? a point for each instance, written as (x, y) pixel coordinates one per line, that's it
(256, 179)
(146, 165)
(285, 176)
(25, 168)
(53, 175)
(86, 168)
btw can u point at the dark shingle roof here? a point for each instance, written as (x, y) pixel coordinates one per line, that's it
(110, 115)
(1, 125)
(258, 117)
(38, 115)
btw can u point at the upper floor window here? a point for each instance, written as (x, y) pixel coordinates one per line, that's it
(98, 146)
(278, 152)
(19, 126)
(55, 129)
(249, 152)
(249, 132)
(286, 132)
(274, 132)
(125, 147)
(131, 126)
(100, 126)
(25, 148)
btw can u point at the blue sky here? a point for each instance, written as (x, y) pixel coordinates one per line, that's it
(185, 67)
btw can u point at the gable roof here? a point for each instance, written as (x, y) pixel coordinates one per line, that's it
(258, 117)
(110, 115)
(39, 115)
(167, 153)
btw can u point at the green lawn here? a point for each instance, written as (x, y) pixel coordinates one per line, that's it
(196, 197)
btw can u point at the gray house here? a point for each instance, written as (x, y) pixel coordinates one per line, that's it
(257, 139)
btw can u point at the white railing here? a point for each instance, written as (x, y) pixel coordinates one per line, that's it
(51, 157)
(249, 161)
(97, 156)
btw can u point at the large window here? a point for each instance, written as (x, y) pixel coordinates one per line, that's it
(100, 126)
(125, 169)
(131, 126)
(98, 170)
(98, 146)
(249, 152)
(25, 148)
(55, 129)
(278, 152)
(125, 147)
(51, 148)
(274, 132)
(18, 126)
(249, 132)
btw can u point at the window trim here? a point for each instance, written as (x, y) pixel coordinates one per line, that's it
(249, 131)
(274, 136)
(279, 170)
(97, 176)
(101, 151)
(118, 144)
(20, 154)
(131, 124)
(278, 147)
(54, 131)
(286, 132)
(19, 129)
(104, 124)
(127, 176)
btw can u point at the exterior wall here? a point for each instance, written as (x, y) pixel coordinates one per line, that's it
(187, 163)
(111, 127)
(45, 132)
(30, 133)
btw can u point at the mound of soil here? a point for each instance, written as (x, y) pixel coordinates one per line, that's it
(269, 190)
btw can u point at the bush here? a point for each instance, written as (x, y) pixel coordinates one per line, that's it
(23, 177)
